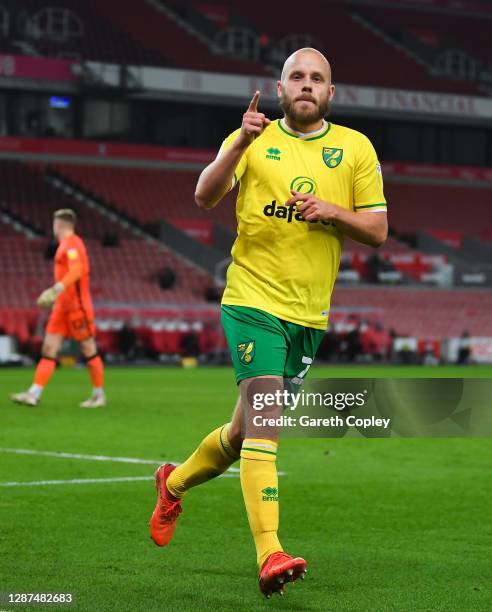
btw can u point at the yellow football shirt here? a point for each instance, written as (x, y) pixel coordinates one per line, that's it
(281, 263)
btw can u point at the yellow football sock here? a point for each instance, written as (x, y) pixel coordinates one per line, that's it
(213, 457)
(259, 482)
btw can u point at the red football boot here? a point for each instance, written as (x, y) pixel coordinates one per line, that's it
(167, 509)
(279, 569)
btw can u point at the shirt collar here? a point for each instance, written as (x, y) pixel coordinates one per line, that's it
(303, 134)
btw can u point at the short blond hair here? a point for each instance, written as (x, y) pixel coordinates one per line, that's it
(66, 214)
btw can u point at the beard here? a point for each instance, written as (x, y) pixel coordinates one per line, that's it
(319, 110)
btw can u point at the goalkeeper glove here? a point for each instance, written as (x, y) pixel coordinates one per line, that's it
(48, 296)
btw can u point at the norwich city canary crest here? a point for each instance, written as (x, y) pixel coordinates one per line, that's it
(332, 157)
(246, 351)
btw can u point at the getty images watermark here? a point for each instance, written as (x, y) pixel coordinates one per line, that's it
(370, 407)
(292, 401)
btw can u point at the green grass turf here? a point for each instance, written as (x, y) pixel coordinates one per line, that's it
(386, 524)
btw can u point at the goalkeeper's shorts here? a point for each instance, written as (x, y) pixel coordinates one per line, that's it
(76, 323)
(262, 344)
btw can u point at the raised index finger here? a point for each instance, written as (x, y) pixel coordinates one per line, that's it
(253, 105)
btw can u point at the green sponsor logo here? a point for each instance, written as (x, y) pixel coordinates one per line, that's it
(270, 494)
(246, 351)
(332, 157)
(303, 184)
(273, 153)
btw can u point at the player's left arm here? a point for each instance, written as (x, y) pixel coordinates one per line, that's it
(370, 228)
(368, 222)
(48, 296)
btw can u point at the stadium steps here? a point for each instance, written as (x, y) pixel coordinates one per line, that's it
(205, 30)
(30, 200)
(377, 31)
(25, 48)
(448, 29)
(156, 32)
(69, 187)
(163, 7)
(474, 251)
(428, 33)
(202, 255)
(138, 193)
(17, 225)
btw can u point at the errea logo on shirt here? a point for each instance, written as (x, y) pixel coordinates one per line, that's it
(273, 153)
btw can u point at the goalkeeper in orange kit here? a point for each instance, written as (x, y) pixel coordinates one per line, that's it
(72, 315)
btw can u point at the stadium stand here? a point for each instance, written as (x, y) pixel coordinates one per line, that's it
(25, 272)
(441, 206)
(435, 29)
(346, 43)
(420, 313)
(139, 192)
(88, 39)
(27, 196)
(132, 32)
(137, 33)
(125, 279)
(394, 256)
(141, 262)
(6, 229)
(158, 32)
(150, 195)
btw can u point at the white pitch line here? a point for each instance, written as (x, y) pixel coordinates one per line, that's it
(60, 455)
(37, 483)
(232, 471)
(77, 481)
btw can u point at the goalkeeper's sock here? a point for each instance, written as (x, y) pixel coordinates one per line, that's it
(98, 393)
(213, 457)
(44, 371)
(96, 370)
(35, 391)
(259, 482)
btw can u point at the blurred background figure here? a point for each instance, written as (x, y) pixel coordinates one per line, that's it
(464, 349)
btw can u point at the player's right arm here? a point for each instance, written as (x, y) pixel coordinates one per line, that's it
(218, 177)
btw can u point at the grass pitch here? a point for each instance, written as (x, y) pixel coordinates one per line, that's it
(385, 524)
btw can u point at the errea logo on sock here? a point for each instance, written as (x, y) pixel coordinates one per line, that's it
(270, 494)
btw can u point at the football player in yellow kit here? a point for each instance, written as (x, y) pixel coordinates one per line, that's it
(304, 183)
